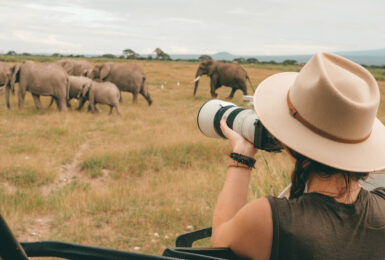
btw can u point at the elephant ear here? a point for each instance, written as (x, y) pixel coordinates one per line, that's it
(105, 70)
(68, 66)
(211, 67)
(87, 72)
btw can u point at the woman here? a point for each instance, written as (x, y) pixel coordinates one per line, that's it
(325, 116)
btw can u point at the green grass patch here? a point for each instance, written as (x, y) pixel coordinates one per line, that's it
(24, 177)
(152, 158)
(22, 148)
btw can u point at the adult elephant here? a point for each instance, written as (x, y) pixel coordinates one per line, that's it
(41, 80)
(75, 67)
(5, 74)
(127, 77)
(223, 74)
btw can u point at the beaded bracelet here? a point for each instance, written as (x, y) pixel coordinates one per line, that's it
(238, 165)
(246, 160)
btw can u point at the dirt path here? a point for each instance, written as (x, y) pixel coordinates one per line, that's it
(68, 172)
(39, 227)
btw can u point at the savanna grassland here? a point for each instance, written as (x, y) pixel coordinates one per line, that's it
(132, 182)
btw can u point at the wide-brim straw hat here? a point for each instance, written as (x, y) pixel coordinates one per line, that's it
(326, 112)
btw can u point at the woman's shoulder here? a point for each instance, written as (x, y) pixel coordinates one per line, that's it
(380, 192)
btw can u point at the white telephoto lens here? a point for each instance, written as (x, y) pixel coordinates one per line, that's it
(244, 124)
(207, 114)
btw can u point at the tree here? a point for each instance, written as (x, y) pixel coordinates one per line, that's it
(161, 55)
(240, 60)
(11, 53)
(56, 54)
(109, 56)
(289, 62)
(130, 54)
(252, 60)
(204, 57)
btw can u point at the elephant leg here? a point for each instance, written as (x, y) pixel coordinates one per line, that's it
(232, 93)
(111, 106)
(92, 106)
(81, 103)
(36, 100)
(243, 87)
(213, 87)
(146, 96)
(134, 97)
(21, 96)
(7, 91)
(68, 103)
(117, 109)
(120, 98)
(61, 104)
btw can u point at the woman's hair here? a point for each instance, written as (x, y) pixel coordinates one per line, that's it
(305, 166)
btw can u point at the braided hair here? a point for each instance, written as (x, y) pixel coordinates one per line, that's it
(304, 167)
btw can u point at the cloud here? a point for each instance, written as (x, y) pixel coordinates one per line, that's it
(183, 50)
(72, 13)
(184, 20)
(50, 40)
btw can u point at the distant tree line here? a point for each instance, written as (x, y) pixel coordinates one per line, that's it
(159, 54)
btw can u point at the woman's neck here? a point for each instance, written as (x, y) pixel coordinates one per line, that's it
(335, 186)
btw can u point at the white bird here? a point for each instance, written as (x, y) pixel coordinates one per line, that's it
(162, 86)
(178, 83)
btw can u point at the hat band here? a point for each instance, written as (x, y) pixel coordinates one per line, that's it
(316, 130)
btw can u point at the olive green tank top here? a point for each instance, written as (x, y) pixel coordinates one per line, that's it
(315, 226)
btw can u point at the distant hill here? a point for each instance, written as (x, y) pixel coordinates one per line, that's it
(377, 52)
(367, 57)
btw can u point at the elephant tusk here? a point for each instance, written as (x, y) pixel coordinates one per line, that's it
(197, 78)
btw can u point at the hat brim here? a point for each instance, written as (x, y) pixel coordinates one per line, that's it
(271, 107)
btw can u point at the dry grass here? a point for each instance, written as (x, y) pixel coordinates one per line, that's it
(137, 181)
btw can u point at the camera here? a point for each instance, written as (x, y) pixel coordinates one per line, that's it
(243, 121)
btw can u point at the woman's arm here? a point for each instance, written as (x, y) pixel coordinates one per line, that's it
(246, 228)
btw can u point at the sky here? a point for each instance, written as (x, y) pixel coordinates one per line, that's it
(242, 27)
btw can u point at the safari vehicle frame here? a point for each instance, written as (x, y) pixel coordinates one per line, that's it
(12, 249)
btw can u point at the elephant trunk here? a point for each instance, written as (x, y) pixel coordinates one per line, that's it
(197, 77)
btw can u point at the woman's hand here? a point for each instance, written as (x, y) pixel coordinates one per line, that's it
(239, 144)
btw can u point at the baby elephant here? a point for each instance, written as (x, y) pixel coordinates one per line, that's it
(102, 93)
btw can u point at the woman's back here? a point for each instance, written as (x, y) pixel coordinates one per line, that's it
(315, 226)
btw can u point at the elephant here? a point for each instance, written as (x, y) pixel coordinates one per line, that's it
(41, 80)
(76, 86)
(226, 74)
(101, 93)
(5, 74)
(127, 77)
(75, 67)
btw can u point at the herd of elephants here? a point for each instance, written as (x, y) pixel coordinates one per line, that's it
(69, 79)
